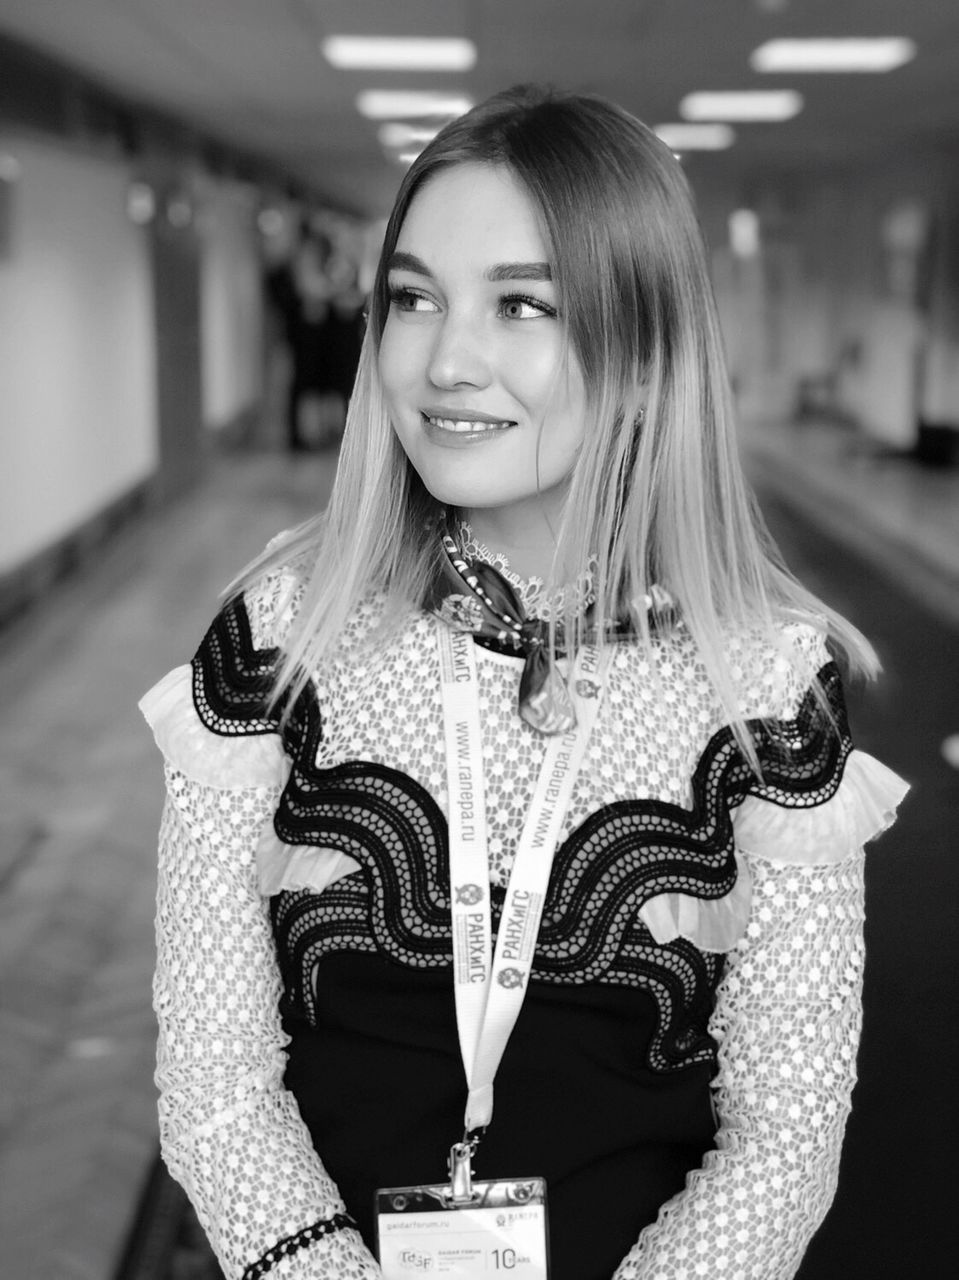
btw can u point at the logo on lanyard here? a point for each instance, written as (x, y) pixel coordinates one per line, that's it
(469, 894)
(490, 980)
(510, 978)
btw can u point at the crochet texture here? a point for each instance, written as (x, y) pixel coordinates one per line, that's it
(784, 1024)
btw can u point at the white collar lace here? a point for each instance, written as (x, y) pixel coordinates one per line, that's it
(537, 601)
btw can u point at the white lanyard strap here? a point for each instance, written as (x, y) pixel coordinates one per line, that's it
(490, 988)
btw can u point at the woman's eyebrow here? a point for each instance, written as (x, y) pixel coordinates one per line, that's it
(520, 271)
(402, 261)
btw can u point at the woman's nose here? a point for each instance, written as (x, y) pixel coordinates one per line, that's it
(459, 356)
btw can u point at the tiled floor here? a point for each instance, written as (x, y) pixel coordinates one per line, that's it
(81, 792)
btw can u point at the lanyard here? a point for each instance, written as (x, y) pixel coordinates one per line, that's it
(490, 987)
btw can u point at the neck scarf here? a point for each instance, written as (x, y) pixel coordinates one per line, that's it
(479, 599)
(487, 605)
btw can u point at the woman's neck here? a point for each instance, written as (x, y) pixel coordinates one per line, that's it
(527, 540)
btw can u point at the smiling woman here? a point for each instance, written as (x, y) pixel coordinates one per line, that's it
(525, 766)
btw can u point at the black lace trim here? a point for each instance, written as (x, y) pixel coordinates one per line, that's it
(617, 859)
(681, 979)
(292, 1244)
(233, 682)
(802, 759)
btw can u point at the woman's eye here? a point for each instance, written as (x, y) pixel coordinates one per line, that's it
(521, 308)
(410, 300)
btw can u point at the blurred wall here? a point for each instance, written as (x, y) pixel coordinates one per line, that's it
(77, 371)
(231, 304)
(848, 303)
(940, 397)
(133, 330)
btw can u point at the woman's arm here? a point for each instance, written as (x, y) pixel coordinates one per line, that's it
(230, 1132)
(787, 1021)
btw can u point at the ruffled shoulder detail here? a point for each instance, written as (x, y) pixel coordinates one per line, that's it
(818, 801)
(203, 756)
(214, 760)
(862, 807)
(711, 924)
(287, 868)
(802, 755)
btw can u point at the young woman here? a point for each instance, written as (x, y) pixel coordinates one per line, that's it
(539, 626)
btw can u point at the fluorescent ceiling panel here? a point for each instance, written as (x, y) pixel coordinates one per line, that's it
(744, 104)
(390, 104)
(696, 137)
(399, 53)
(828, 55)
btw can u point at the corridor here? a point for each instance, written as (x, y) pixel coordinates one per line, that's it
(195, 200)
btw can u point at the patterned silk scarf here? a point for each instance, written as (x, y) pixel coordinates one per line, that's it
(479, 599)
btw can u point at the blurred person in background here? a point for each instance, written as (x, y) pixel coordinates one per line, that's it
(525, 764)
(316, 295)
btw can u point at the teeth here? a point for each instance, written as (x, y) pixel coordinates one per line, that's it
(460, 425)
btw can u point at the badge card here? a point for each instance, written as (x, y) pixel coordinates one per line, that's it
(501, 1231)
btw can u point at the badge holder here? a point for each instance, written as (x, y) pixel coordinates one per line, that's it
(464, 1228)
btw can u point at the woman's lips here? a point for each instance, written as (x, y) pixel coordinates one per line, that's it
(463, 427)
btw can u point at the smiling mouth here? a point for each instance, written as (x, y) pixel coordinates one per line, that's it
(467, 426)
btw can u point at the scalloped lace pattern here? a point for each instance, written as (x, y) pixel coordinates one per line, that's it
(367, 786)
(786, 1014)
(656, 719)
(652, 728)
(230, 1132)
(787, 1019)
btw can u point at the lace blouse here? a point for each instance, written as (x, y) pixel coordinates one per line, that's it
(733, 905)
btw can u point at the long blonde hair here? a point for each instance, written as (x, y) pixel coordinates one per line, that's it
(657, 494)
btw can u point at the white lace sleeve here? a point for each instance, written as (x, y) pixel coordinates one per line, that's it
(230, 1132)
(787, 1020)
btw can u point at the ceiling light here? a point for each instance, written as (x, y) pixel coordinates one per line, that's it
(399, 53)
(744, 104)
(848, 54)
(407, 157)
(396, 134)
(696, 137)
(387, 104)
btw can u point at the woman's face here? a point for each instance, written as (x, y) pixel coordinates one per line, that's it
(487, 406)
